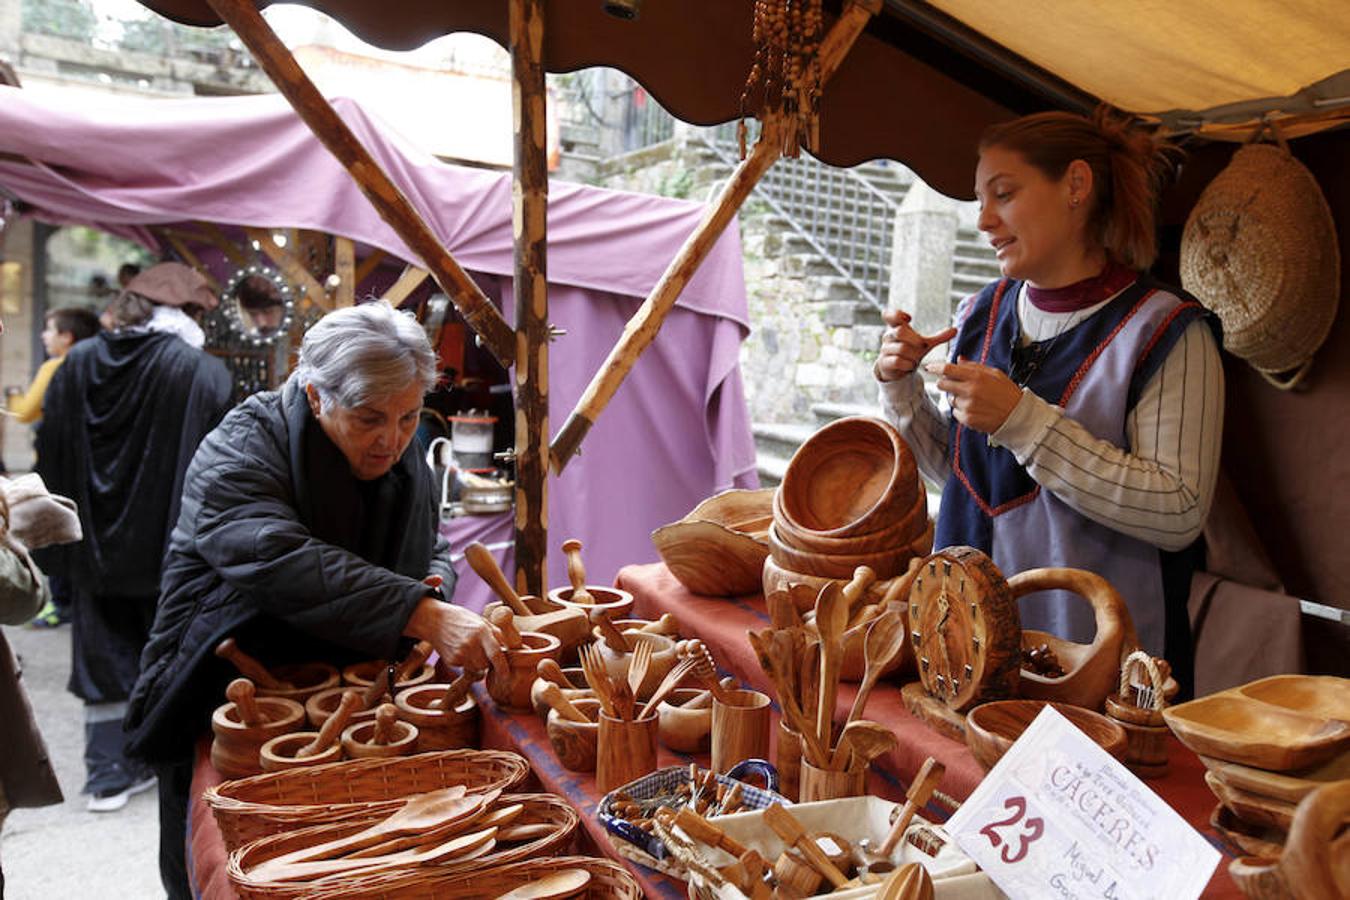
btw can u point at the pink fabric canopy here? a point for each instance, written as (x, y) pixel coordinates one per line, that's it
(676, 432)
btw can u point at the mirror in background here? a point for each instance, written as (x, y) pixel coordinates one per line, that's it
(260, 303)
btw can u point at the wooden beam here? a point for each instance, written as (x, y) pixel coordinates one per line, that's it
(368, 265)
(641, 330)
(212, 234)
(344, 266)
(291, 267)
(274, 59)
(406, 284)
(529, 220)
(186, 255)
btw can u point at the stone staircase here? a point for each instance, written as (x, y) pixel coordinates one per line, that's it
(973, 265)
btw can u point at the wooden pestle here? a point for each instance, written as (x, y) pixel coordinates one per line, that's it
(700, 829)
(378, 687)
(930, 775)
(786, 826)
(413, 663)
(666, 625)
(576, 572)
(459, 688)
(249, 667)
(553, 696)
(241, 693)
(506, 624)
(549, 670)
(856, 589)
(332, 726)
(385, 718)
(482, 561)
(755, 866)
(614, 639)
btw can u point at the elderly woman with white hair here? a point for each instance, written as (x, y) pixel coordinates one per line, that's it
(308, 531)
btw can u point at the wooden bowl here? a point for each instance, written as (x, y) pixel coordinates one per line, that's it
(1290, 787)
(719, 548)
(885, 563)
(512, 688)
(804, 588)
(575, 677)
(901, 531)
(363, 674)
(612, 600)
(1254, 809)
(663, 660)
(1318, 695)
(322, 705)
(852, 477)
(685, 730)
(308, 679)
(992, 727)
(356, 741)
(279, 753)
(574, 743)
(570, 626)
(1234, 726)
(438, 729)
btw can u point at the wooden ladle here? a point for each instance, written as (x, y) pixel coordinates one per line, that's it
(576, 572)
(865, 741)
(482, 561)
(250, 668)
(885, 639)
(566, 883)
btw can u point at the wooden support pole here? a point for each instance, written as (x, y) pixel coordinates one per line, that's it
(368, 265)
(291, 267)
(641, 330)
(405, 285)
(274, 59)
(212, 234)
(529, 220)
(186, 255)
(344, 266)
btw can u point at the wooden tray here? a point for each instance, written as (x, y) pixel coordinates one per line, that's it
(1295, 733)
(1290, 787)
(1253, 809)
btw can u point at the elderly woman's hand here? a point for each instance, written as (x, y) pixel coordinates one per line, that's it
(982, 397)
(903, 348)
(463, 638)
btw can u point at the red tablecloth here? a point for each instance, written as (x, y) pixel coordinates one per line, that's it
(722, 623)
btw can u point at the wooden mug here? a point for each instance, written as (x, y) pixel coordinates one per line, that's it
(740, 729)
(788, 761)
(624, 751)
(830, 784)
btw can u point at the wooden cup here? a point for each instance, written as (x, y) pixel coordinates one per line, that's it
(437, 728)
(789, 762)
(828, 784)
(740, 729)
(624, 751)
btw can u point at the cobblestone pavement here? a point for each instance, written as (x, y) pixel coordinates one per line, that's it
(65, 851)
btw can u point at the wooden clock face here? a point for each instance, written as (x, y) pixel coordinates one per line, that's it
(964, 629)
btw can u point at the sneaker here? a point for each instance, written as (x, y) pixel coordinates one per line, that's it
(112, 801)
(48, 617)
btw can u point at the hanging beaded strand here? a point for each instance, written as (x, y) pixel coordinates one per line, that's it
(786, 70)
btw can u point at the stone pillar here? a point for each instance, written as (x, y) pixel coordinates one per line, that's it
(921, 257)
(11, 27)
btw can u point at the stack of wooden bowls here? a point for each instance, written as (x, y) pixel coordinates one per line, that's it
(850, 497)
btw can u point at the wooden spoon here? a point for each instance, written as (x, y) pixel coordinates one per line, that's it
(241, 693)
(885, 640)
(482, 561)
(505, 621)
(576, 572)
(496, 818)
(831, 620)
(332, 726)
(250, 668)
(564, 883)
(865, 741)
(787, 700)
(457, 846)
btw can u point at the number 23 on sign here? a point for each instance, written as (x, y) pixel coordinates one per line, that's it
(1016, 833)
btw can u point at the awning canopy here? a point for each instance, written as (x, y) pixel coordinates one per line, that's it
(925, 80)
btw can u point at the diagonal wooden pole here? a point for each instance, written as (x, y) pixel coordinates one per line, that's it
(641, 329)
(374, 182)
(529, 219)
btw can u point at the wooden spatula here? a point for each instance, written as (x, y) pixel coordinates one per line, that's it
(565, 883)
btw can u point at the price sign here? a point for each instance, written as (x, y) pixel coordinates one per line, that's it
(1058, 817)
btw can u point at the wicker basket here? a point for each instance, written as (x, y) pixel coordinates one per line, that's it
(251, 808)
(609, 881)
(545, 809)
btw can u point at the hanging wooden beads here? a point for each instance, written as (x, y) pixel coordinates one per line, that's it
(786, 70)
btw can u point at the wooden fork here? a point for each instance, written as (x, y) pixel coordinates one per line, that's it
(597, 676)
(638, 665)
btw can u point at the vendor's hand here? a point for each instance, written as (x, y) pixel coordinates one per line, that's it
(462, 638)
(903, 348)
(982, 397)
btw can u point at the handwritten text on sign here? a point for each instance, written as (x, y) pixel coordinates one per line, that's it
(1059, 817)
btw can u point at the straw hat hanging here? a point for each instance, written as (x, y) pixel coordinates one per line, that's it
(1260, 250)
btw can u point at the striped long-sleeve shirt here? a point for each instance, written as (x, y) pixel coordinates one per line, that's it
(1157, 489)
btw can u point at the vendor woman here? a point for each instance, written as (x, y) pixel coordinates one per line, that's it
(308, 531)
(1083, 403)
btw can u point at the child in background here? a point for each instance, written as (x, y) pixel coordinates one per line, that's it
(66, 327)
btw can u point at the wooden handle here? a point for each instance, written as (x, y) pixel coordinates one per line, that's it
(413, 663)
(576, 572)
(705, 670)
(615, 639)
(700, 829)
(249, 667)
(482, 561)
(786, 826)
(666, 625)
(332, 726)
(506, 623)
(241, 693)
(379, 686)
(930, 775)
(549, 670)
(459, 688)
(554, 697)
(856, 589)
(385, 717)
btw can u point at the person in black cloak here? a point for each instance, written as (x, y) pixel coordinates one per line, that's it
(123, 416)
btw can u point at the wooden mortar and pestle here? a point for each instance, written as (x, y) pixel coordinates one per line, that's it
(573, 730)
(322, 705)
(247, 722)
(295, 681)
(523, 650)
(446, 715)
(384, 737)
(617, 661)
(569, 626)
(309, 748)
(588, 597)
(571, 681)
(414, 670)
